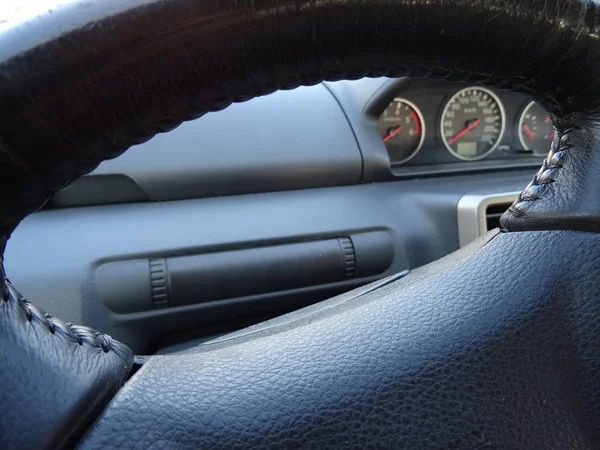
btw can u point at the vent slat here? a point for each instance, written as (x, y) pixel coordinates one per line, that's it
(493, 214)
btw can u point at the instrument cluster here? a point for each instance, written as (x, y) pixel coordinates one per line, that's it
(433, 122)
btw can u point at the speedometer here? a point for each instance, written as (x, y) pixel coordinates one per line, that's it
(472, 123)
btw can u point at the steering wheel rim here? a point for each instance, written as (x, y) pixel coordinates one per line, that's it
(81, 83)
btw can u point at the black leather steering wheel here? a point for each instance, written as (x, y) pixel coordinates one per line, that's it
(494, 347)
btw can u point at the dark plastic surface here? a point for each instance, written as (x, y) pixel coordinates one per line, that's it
(125, 286)
(374, 252)
(99, 190)
(239, 273)
(287, 140)
(131, 286)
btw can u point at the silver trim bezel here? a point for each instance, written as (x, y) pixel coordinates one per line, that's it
(471, 213)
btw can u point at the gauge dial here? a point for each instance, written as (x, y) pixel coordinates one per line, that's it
(472, 123)
(402, 130)
(535, 129)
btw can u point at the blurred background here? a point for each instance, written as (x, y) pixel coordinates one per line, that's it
(12, 9)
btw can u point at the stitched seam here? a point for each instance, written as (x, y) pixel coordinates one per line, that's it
(34, 315)
(545, 176)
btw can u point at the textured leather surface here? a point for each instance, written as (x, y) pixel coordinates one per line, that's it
(563, 193)
(84, 81)
(449, 357)
(56, 377)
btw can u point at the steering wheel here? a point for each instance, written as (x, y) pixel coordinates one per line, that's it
(494, 347)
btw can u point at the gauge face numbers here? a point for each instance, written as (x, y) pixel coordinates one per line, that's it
(402, 130)
(472, 123)
(535, 129)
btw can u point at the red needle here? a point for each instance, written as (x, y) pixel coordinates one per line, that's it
(464, 131)
(528, 132)
(392, 133)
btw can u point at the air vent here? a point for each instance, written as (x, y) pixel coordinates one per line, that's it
(477, 214)
(493, 213)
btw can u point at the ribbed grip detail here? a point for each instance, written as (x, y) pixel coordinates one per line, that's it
(349, 256)
(158, 283)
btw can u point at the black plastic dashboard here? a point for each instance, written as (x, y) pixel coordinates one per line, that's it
(276, 176)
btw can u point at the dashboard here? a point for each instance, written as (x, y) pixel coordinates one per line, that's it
(427, 123)
(332, 134)
(304, 175)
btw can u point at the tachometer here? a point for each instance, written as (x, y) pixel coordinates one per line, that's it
(535, 129)
(472, 123)
(402, 130)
